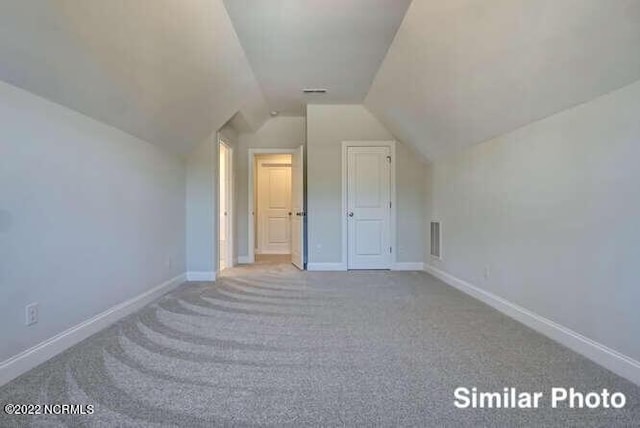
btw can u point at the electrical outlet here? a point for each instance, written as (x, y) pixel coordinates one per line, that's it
(31, 314)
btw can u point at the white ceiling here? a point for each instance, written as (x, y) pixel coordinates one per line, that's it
(462, 71)
(457, 73)
(333, 44)
(169, 72)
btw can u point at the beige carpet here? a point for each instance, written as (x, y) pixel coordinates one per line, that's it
(269, 345)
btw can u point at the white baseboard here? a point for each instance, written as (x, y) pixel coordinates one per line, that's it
(609, 358)
(244, 260)
(408, 266)
(201, 276)
(32, 357)
(332, 267)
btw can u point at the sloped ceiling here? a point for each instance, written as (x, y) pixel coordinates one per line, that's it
(462, 71)
(333, 44)
(169, 72)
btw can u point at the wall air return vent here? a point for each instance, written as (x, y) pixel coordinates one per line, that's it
(314, 91)
(436, 239)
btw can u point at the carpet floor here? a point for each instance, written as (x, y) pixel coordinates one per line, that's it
(267, 345)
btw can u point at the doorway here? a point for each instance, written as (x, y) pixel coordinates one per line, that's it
(225, 204)
(276, 205)
(273, 204)
(368, 193)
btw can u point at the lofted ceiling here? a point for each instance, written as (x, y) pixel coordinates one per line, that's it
(333, 44)
(169, 72)
(462, 71)
(441, 75)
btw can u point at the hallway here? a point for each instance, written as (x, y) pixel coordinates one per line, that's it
(270, 345)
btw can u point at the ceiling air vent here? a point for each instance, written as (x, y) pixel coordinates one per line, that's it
(314, 91)
(436, 236)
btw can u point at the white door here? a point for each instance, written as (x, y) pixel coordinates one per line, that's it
(225, 248)
(368, 208)
(297, 207)
(274, 206)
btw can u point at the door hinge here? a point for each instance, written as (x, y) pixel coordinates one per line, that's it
(390, 250)
(389, 204)
(389, 159)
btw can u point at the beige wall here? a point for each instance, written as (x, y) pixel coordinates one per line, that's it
(327, 127)
(201, 202)
(551, 210)
(90, 217)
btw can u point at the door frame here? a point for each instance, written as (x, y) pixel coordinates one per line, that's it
(229, 262)
(392, 195)
(251, 257)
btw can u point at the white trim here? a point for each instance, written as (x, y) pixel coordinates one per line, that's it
(394, 206)
(332, 267)
(611, 359)
(201, 276)
(411, 266)
(49, 348)
(250, 216)
(244, 260)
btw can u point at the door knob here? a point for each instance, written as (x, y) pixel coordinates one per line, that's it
(289, 213)
(351, 214)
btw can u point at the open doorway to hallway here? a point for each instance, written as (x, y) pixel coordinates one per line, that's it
(225, 213)
(276, 206)
(272, 202)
